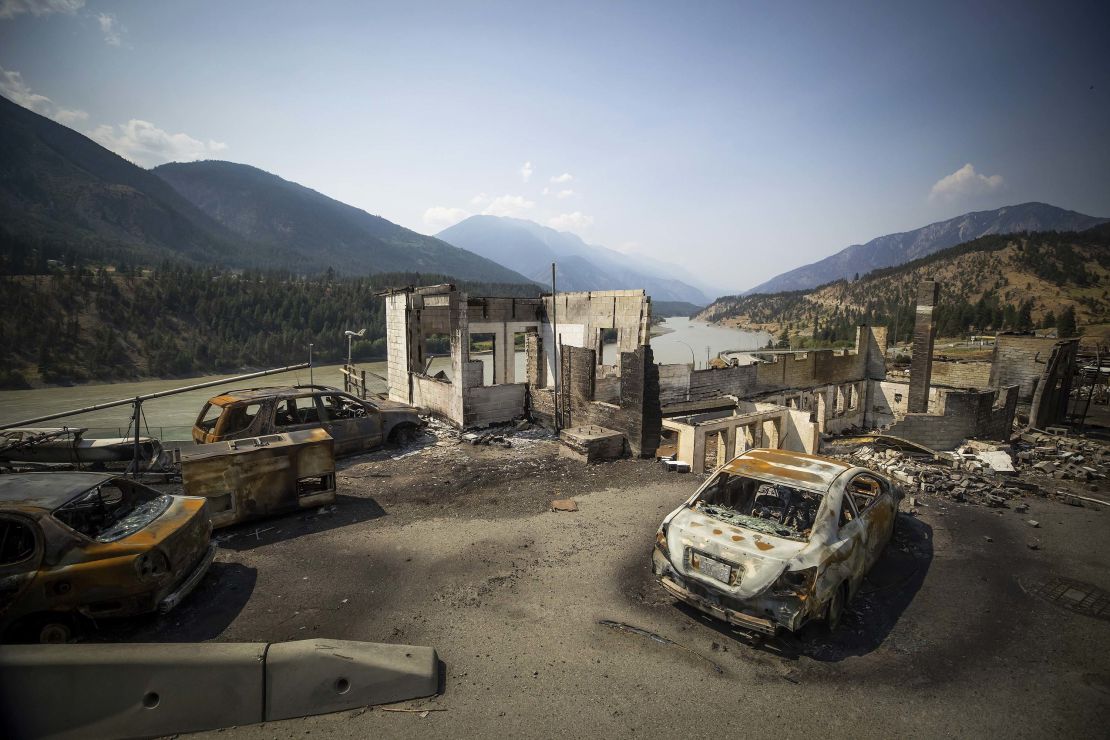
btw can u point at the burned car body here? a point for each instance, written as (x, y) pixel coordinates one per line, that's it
(97, 545)
(775, 539)
(355, 425)
(251, 478)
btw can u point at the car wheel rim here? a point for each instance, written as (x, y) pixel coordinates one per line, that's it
(54, 634)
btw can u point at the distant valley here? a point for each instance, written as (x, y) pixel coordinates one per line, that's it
(530, 248)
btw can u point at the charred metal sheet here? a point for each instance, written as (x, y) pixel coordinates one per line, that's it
(252, 478)
(1068, 593)
(145, 690)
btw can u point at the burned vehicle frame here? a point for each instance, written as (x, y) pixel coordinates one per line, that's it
(94, 544)
(776, 539)
(264, 476)
(356, 425)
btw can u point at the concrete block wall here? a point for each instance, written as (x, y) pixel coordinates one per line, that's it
(961, 374)
(1020, 361)
(492, 404)
(963, 414)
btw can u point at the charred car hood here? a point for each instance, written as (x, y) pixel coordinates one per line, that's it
(758, 557)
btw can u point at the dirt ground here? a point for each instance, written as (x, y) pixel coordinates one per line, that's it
(454, 546)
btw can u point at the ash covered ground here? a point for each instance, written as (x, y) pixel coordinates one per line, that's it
(551, 622)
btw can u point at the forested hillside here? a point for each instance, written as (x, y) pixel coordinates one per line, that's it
(994, 283)
(86, 324)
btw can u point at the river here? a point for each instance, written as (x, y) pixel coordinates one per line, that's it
(172, 417)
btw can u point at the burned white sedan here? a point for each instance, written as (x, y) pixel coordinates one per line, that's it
(775, 539)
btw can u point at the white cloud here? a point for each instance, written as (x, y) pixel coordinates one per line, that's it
(440, 217)
(15, 89)
(526, 172)
(965, 183)
(147, 145)
(12, 8)
(509, 205)
(563, 194)
(565, 177)
(576, 221)
(110, 27)
(479, 200)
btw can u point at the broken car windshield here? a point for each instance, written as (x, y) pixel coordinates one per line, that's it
(113, 510)
(765, 507)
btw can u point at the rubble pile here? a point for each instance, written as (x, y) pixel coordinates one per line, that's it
(991, 474)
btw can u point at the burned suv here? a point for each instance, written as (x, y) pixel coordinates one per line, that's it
(356, 425)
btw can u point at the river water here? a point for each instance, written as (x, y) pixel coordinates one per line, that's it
(172, 417)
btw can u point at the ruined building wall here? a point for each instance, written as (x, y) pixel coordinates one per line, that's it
(960, 415)
(637, 413)
(961, 374)
(1020, 361)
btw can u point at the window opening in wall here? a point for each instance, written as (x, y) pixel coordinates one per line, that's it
(482, 347)
(520, 356)
(850, 396)
(436, 355)
(898, 398)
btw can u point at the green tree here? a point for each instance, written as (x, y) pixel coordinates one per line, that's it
(784, 338)
(1049, 320)
(1065, 325)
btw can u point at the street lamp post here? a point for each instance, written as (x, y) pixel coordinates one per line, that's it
(351, 335)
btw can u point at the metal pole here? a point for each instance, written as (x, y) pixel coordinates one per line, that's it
(149, 396)
(135, 458)
(555, 345)
(310, 364)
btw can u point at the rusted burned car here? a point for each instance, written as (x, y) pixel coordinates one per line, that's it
(355, 425)
(776, 539)
(261, 476)
(93, 544)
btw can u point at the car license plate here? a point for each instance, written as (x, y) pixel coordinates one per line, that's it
(711, 567)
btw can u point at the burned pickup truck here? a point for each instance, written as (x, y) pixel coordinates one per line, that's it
(355, 425)
(96, 545)
(776, 539)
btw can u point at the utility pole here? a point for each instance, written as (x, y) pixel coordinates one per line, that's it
(310, 363)
(555, 345)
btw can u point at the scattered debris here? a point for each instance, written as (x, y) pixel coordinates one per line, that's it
(1033, 523)
(632, 630)
(564, 504)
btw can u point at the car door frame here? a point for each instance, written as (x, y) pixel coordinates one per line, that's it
(300, 426)
(878, 516)
(21, 572)
(355, 434)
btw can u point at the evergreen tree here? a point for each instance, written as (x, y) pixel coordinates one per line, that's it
(1065, 325)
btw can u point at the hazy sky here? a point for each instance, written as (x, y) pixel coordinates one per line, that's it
(741, 139)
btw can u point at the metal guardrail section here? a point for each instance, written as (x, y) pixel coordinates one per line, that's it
(145, 690)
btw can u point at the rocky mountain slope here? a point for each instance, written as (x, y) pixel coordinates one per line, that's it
(266, 209)
(64, 197)
(994, 283)
(896, 249)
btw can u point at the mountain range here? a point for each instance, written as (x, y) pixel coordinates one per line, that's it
(896, 249)
(530, 248)
(999, 282)
(62, 194)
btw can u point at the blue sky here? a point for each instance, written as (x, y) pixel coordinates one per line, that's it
(740, 139)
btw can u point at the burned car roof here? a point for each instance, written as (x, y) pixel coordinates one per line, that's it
(792, 468)
(48, 490)
(276, 391)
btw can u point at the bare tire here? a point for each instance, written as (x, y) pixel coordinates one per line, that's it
(837, 602)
